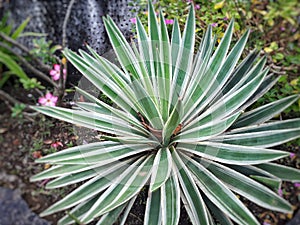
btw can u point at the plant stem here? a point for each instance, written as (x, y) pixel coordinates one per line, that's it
(23, 61)
(27, 51)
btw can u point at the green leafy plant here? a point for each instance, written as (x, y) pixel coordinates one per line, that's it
(17, 110)
(178, 125)
(45, 50)
(7, 58)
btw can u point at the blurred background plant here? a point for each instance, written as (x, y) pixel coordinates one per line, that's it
(27, 69)
(274, 29)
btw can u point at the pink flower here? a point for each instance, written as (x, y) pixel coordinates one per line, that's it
(214, 24)
(48, 100)
(297, 185)
(280, 192)
(56, 144)
(197, 6)
(292, 155)
(55, 73)
(133, 20)
(169, 21)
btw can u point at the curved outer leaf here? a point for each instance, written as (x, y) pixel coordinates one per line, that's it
(194, 89)
(87, 173)
(211, 73)
(217, 213)
(123, 189)
(71, 179)
(175, 45)
(83, 193)
(190, 193)
(222, 197)
(247, 187)
(170, 200)
(250, 75)
(102, 83)
(270, 126)
(265, 112)
(153, 209)
(273, 183)
(228, 104)
(69, 174)
(95, 108)
(282, 172)
(143, 44)
(184, 61)
(99, 155)
(112, 216)
(239, 73)
(226, 69)
(265, 86)
(78, 211)
(127, 210)
(232, 154)
(161, 169)
(102, 122)
(262, 139)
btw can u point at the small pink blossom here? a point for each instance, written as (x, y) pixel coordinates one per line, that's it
(294, 30)
(55, 73)
(297, 185)
(225, 18)
(280, 192)
(282, 28)
(169, 21)
(133, 20)
(214, 24)
(197, 6)
(292, 155)
(48, 100)
(56, 144)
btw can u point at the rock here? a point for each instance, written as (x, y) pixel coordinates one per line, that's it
(295, 220)
(15, 211)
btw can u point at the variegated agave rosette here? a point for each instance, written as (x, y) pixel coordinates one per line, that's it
(179, 126)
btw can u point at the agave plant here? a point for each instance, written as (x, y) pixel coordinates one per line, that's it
(178, 128)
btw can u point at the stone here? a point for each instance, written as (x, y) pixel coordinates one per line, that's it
(15, 211)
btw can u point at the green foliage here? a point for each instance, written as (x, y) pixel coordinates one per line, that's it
(45, 50)
(17, 111)
(7, 58)
(179, 124)
(31, 84)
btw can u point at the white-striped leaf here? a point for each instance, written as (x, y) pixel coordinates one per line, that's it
(161, 168)
(232, 154)
(222, 197)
